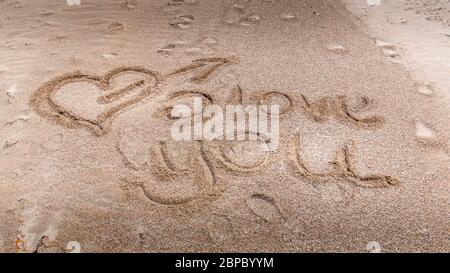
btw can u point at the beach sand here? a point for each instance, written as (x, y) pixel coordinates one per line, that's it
(363, 161)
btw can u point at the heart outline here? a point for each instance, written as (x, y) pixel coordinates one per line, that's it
(44, 105)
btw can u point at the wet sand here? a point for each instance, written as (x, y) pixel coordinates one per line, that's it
(363, 161)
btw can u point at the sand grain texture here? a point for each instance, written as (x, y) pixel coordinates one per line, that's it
(81, 168)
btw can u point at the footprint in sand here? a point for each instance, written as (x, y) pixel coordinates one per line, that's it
(115, 27)
(238, 17)
(425, 134)
(247, 20)
(109, 55)
(182, 22)
(389, 50)
(197, 48)
(52, 143)
(172, 9)
(19, 120)
(170, 48)
(288, 17)
(131, 4)
(210, 41)
(47, 12)
(337, 48)
(191, 2)
(220, 229)
(239, 8)
(12, 93)
(13, 140)
(425, 89)
(73, 2)
(179, 3)
(10, 131)
(16, 4)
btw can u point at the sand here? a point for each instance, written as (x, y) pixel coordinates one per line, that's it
(363, 160)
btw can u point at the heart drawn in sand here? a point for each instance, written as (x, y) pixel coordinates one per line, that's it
(100, 98)
(117, 90)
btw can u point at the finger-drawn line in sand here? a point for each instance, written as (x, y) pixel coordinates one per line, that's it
(126, 161)
(343, 168)
(165, 111)
(43, 102)
(226, 162)
(208, 164)
(264, 99)
(207, 66)
(236, 97)
(340, 108)
(265, 207)
(163, 168)
(202, 168)
(116, 95)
